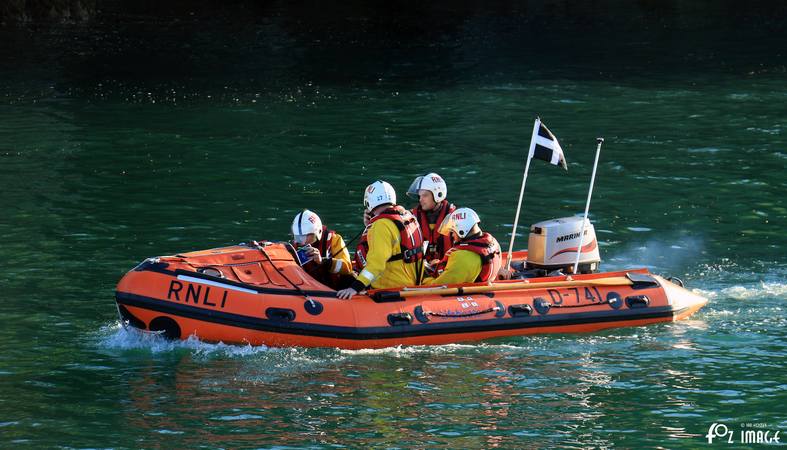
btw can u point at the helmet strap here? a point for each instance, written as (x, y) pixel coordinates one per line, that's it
(470, 237)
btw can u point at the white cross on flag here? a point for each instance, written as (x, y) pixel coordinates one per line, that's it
(544, 146)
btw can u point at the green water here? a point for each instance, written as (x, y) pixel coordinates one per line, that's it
(137, 136)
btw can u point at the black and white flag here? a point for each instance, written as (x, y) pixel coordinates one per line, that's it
(544, 146)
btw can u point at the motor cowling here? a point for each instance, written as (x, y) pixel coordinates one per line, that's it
(552, 245)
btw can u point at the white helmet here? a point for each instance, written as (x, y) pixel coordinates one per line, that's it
(378, 193)
(304, 224)
(431, 182)
(460, 222)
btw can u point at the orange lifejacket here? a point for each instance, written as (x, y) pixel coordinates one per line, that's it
(485, 246)
(438, 244)
(324, 244)
(362, 249)
(321, 272)
(410, 241)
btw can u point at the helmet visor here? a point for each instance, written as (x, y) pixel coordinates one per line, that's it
(412, 191)
(301, 239)
(447, 226)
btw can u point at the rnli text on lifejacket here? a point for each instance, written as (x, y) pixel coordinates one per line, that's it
(193, 293)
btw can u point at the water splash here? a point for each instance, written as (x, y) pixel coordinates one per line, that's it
(260, 364)
(671, 256)
(757, 291)
(417, 350)
(115, 336)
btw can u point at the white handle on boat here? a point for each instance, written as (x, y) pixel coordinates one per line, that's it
(609, 281)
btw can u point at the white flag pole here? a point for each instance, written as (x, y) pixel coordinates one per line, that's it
(536, 126)
(587, 205)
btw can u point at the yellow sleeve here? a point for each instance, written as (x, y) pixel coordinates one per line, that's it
(463, 267)
(383, 236)
(341, 257)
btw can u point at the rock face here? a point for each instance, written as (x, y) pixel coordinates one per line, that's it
(668, 14)
(63, 11)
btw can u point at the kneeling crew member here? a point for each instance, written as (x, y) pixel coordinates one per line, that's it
(328, 260)
(391, 246)
(431, 192)
(475, 256)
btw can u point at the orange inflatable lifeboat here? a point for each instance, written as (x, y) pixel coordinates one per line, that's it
(258, 294)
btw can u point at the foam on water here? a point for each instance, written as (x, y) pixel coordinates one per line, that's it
(115, 336)
(406, 352)
(706, 150)
(262, 364)
(746, 292)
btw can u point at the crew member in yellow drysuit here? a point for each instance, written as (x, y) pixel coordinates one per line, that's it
(390, 248)
(475, 255)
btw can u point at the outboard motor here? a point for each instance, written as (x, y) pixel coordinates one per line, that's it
(552, 245)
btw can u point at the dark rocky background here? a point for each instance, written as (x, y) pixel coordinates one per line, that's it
(659, 13)
(143, 49)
